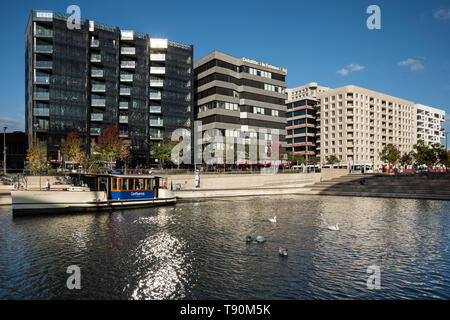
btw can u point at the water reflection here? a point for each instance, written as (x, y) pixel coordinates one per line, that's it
(196, 250)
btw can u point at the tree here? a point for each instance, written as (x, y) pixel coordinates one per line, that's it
(439, 155)
(333, 159)
(423, 155)
(93, 162)
(111, 146)
(37, 161)
(406, 159)
(314, 160)
(296, 158)
(162, 151)
(390, 154)
(72, 148)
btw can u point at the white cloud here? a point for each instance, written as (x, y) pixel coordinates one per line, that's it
(12, 124)
(442, 14)
(343, 72)
(413, 64)
(350, 68)
(356, 67)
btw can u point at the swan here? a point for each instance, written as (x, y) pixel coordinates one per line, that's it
(260, 239)
(334, 228)
(274, 219)
(283, 252)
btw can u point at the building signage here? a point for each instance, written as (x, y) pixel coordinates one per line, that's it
(262, 64)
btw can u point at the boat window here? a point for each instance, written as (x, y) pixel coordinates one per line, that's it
(114, 184)
(125, 184)
(130, 184)
(147, 184)
(140, 184)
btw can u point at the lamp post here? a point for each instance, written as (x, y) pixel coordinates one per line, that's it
(4, 150)
(446, 139)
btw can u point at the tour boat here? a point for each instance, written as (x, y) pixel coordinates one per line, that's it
(95, 192)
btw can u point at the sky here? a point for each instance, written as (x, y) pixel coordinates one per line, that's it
(326, 41)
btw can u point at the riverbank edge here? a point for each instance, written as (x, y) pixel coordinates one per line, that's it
(227, 193)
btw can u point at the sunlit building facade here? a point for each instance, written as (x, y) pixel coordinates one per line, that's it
(87, 79)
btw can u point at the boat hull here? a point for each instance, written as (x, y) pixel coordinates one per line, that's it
(43, 202)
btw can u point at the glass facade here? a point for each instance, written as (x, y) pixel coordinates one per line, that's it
(86, 80)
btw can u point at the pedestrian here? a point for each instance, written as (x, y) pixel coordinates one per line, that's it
(47, 185)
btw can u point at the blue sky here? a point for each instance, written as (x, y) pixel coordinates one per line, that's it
(315, 40)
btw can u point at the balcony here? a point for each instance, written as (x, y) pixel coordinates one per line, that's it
(157, 70)
(43, 64)
(128, 51)
(155, 109)
(41, 96)
(95, 43)
(96, 57)
(42, 80)
(157, 57)
(96, 116)
(98, 88)
(158, 43)
(123, 119)
(156, 135)
(43, 33)
(41, 112)
(158, 122)
(95, 131)
(97, 73)
(123, 134)
(43, 49)
(156, 83)
(98, 102)
(128, 64)
(125, 91)
(126, 77)
(123, 105)
(155, 95)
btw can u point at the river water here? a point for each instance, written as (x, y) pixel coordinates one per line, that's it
(197, 250)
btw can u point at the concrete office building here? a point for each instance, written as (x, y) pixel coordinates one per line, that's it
(356, 123)
(301, 117)
(428, 126)
(87, 79)
(237, 95)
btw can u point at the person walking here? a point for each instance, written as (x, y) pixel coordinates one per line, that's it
(47, 185)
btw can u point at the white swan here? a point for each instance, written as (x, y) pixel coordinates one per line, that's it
(334, 228)
(274, 219)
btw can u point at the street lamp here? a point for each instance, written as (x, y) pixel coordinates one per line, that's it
(446, 139)
(4, 150)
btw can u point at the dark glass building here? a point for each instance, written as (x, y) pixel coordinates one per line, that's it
(87, 79)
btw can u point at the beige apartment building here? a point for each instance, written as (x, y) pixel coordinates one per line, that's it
(355, 124)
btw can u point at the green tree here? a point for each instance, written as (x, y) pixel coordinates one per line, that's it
(390, 154)
(296, 158)
(439, 155)
(37, 161)
(406, 159)
(423, 155)
(162, 151)
(333, 159)
(314, 160)
(93, 162)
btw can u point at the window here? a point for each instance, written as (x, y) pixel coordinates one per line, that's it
(258, 110)
(114, 184)
(275, 113)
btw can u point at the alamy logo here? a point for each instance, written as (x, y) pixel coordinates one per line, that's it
(74, 20)
(374, 280)
(74, 281)
(374, 21)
